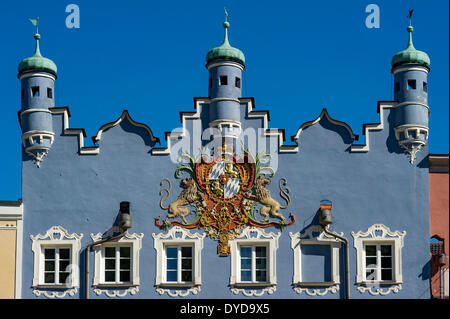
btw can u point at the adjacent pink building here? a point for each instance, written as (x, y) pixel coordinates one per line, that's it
(439, 224)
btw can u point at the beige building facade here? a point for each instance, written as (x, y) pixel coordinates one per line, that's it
(11, 225)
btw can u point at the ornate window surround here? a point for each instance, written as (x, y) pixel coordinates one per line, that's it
(178, 236)
(56, 236)
(254, 236)
(132, 240)
(379, 234)
(308, 237)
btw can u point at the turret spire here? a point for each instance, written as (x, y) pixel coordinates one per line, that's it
(225, 51)
(37, 36)
(37, 62)
(226, 24)
(410, 30)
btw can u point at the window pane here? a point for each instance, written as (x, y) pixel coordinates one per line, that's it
(63, 277)
(246, 264)
(110, 252)
(171, 252)
(186, 251)
(49, 254)
(260, 251)
(425, 87)
(386, 274)
(186, 275)
(171, 275)
(246, 275)
(172, 263)
(49, 93)
(63, 265)
(64, 253)
(411, 84)
(49, 278)
(246, 251)
(125, 264)
(238, 82)
(186, 264)
(386, 262)
(386, 250)
(261, 263)
(371, 250)
(49, 266)
(110, 276)
(260, 275)
(125, 275)
(371, 261)
(110, 264)
(125, 251)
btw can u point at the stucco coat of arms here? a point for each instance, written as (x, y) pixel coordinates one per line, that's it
(225, 193)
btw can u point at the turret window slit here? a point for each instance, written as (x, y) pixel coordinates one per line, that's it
(411, 84)
(238, 82)
(35, 91)
(223, 80)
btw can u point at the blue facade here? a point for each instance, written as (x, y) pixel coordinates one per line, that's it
(80, 189)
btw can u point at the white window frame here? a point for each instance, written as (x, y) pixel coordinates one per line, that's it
(253, 262)
(378, 260)
(379, 234)
(55, 237)
(57, 260)
(307, 238)
(177, 236)
(117, 269)
(252, 236)
(130, 240)
(179, 264)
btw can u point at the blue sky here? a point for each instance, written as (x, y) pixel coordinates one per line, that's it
(149, 57)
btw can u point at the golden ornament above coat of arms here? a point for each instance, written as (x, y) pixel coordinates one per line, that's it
(224, 192)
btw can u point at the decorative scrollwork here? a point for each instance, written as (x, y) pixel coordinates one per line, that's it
(284, 192)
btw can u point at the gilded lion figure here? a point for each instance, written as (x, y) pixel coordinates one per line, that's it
(190, 194)
(270, 207)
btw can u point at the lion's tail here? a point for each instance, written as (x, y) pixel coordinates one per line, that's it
(165, 193)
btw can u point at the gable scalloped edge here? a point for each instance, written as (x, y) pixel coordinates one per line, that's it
(264, 115)
(94, 150)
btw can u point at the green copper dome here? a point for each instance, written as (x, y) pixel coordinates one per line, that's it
(225, 51)
(410, 55)
(37, 62)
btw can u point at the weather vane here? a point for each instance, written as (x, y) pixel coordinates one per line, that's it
(35, 22)
(226, 14)
(410, 15)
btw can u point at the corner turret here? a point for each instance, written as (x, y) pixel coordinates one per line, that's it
(410, 68)
(37, 76)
